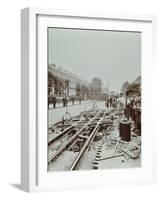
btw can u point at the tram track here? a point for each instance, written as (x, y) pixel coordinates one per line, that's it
(69, 129)
(72, 139)
(86, 144)
(94, 122)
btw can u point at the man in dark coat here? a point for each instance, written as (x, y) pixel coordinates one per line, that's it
(64, 101)
(111, 101)
(107, 102)
(54, 100)
(72, 100)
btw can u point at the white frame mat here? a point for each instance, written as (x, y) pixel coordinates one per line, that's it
(34, 175)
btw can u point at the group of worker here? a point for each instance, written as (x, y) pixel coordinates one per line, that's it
(128, 106)
(111, 102)
(116, 102)
(133, 111)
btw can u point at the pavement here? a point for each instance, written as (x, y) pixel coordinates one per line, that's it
(56, 115)
(60, 104)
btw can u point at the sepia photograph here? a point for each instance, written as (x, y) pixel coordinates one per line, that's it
(94, 99)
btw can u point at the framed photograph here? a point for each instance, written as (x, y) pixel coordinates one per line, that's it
(86, 80)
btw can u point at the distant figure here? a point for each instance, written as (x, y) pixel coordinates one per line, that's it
(107, 102)
(79, 100)
(120, 102)
(49, 101)
(72, 100)
(137, 114)
(111, 101)
(138, 126)
(114, 102)
(128, 106)
(133, 111)
(54, 100)
(64, 101)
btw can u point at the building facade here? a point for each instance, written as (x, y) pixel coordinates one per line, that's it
(61, 82)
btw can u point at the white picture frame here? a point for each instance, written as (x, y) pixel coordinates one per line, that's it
(34, 176)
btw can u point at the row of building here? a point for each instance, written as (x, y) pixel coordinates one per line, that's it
(63, 82)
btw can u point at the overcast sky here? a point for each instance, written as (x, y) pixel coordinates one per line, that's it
(115, 57)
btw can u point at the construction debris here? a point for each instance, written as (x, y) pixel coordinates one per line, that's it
(110, 146)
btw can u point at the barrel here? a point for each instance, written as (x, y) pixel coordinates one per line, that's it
(125, 130)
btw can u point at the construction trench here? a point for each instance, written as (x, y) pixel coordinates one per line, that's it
(93, 139)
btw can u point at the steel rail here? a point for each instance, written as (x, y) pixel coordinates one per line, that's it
(92, 135)
(63, 147)
(55, 139)
(65, 132)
